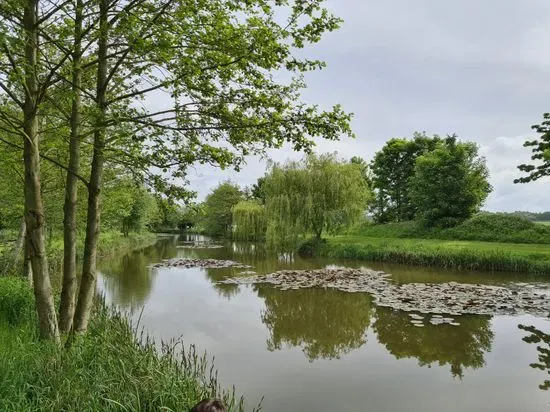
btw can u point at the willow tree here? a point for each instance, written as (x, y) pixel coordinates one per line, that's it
(249, 220)
(319, 194)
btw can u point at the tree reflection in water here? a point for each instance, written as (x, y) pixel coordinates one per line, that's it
(326, 324)
(458, 346)
(543, 347)
(129, 279)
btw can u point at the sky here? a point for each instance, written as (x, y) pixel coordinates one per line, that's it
(480, 69)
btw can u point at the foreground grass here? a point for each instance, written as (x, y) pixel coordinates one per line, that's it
(469, 255)
(109, 369)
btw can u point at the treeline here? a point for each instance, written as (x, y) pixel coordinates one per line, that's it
(294, 200)
(437, 182)
(103, 102)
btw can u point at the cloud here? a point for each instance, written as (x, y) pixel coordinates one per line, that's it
(478, 69)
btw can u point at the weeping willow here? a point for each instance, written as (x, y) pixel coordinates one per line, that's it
(249, 221)
(319, 194)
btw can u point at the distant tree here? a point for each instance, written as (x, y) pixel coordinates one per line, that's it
(449, 184)
(218, 215)
(541, 153)
(392, 168)
(258, 189)
(249, 220)
(319, 194)
(365, 169)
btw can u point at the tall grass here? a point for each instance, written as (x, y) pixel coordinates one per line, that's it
(455, 254)
(111, 368)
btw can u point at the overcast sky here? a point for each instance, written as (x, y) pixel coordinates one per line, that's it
(480, 69)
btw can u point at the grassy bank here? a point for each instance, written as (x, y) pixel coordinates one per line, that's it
(469, 255)
(485, 227)
(110, 242)
(109, 369)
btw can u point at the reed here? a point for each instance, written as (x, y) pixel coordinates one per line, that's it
(111, 368)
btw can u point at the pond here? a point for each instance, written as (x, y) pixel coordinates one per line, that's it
(327, 350)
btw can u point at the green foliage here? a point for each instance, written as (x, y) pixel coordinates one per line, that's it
(218, 206)
(249, 220)
(109, 369)
(449, 184)
(541, 153)
(463, 255)
(16, 300)
(128, 206)
(392, 168)
(319, 194)
(258, 190)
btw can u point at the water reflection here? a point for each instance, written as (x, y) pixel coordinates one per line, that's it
(458, 346)
(543, 347)
(324, 323)
(129, 278)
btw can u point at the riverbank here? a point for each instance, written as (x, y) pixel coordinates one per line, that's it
(462, 255)
(108, 369)
(110, 242)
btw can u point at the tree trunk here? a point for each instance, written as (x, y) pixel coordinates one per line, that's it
(68, 291)
(89, 276)
(34, 209)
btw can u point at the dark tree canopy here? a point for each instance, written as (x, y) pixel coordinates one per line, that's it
(218, 209)
(392, 169)
(541, 153)
(449, 183)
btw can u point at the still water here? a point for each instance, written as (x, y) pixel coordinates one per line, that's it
(326, 350)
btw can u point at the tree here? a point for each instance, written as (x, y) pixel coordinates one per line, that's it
(541, 153)
(249, 220)
(392, 168)
(258, 190)
(212, 60)
(449, 184)
(218, 206)
(320, 193)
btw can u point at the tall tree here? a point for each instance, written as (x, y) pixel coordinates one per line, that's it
(450, 183)
(392, 168)
(319, 194)
(215, 60)
(218, 209)
(249, 220)
(541, 153)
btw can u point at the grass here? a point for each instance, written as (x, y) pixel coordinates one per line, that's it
(110, 242)
(486, 227)
(110, 368)
(468, 255)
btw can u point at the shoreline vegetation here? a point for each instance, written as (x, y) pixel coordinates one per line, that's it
(114, 367)
(492, 242)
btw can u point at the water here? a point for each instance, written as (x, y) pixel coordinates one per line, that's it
(325, 350)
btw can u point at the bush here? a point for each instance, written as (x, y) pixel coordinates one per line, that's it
(16, 300)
